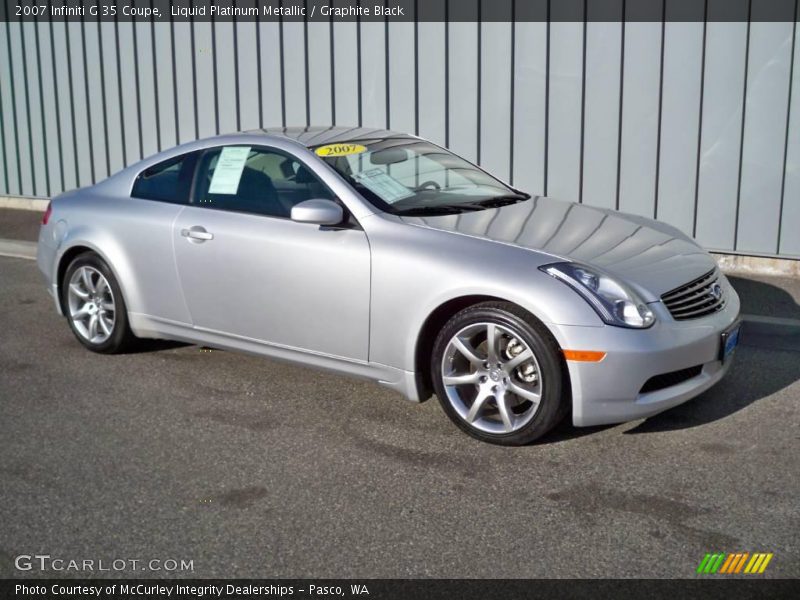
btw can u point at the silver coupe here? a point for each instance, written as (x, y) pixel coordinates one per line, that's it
(382, 255)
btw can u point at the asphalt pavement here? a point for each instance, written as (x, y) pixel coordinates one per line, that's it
(18, 224)
(253, 468)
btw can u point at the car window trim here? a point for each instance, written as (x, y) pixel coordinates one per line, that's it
(194, 154)
(349, 222)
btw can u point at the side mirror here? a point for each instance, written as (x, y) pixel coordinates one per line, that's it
(318, 212)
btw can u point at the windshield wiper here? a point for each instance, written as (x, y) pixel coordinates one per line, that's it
(451, 209)
(498, 201)
(438, 209)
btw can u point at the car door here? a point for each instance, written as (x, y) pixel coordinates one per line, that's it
(247, 270)
(143, 229)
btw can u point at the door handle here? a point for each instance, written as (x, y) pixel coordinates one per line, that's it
(197, 233)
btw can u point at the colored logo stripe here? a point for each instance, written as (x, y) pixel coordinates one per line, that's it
(720, 562)
(711, 562)
(758, 563)
(727, 564)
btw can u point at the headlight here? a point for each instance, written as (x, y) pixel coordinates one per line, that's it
(615, 302)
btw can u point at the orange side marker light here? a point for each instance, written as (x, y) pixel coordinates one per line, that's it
(584, 355)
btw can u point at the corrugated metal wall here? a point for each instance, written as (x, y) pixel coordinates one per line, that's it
(695, 123)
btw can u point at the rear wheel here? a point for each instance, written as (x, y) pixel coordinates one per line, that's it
(94, 305)
(498, 374)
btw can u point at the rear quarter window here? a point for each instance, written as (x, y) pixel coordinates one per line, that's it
(168, 181)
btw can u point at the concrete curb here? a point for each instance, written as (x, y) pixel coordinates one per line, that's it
(18, 249)
(21, 203)
(757, 265)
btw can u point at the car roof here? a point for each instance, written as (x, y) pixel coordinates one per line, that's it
(308, 137)
(318, 135)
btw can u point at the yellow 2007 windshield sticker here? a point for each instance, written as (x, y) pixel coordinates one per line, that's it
(331, 150)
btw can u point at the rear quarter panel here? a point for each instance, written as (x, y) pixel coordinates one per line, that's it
(134, 237)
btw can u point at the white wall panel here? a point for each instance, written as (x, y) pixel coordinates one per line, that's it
(164, 77)
(268, 36)
(96, 109)
(530, 75)
(346, 73)
(431, 66)
(721, 133)
(184, 81)
(463, 105)
(764, 132)
(294, 73)
(248, 75)
(49, 108)
(495, 99)
(680, 117)
(23, 116)
(566, 73)
(373, 74)
(33, 100)
(790, 219)
(319, 72)
(639, 118)
(9, 122)
(225, 71)
(145, 89)
(402, 92)
(98, 97)
(204, 80)
(601, 121)
(64, 105)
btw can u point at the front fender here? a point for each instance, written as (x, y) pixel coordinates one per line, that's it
(417, 270)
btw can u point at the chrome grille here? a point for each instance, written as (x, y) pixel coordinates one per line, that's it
(698, 298)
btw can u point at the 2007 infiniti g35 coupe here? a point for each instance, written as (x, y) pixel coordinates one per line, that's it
(384, 256)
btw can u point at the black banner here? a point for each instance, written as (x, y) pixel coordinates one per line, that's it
(400, 10)
(400, 589)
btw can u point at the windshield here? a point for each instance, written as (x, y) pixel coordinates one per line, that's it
(410, 176)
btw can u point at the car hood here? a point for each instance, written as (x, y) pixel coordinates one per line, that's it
(651, 256)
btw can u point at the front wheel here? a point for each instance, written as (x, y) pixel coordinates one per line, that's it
(94, 306)
(498, 374)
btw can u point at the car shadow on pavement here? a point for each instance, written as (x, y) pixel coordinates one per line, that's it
(764, 299)
(143, 345)
(761, 366)
(754, 375)
(566, 431)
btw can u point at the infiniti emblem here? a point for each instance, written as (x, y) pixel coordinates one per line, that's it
(716, 291)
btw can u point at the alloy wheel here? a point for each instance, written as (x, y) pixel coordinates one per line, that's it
(492, 378)
(91, 305)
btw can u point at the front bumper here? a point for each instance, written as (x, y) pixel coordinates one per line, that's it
(609, 391)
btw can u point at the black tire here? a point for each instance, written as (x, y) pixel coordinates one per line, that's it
(554, 403)
(121, 338)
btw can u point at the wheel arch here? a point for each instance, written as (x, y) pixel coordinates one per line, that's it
(68, 255)
(434, 323)
(430, 329)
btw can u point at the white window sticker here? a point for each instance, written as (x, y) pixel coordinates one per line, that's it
(384, 185)
(228, 171)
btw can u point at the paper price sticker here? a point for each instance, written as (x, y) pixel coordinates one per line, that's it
(333, 150)
(384, 185)
(229, 169)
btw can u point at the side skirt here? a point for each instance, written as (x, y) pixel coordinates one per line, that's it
(404, 382)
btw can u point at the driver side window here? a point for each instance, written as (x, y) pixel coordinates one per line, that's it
(254, 180)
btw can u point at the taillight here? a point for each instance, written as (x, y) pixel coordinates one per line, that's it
(46, 216)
